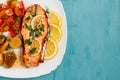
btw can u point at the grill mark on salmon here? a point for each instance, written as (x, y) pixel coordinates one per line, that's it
(32, 61)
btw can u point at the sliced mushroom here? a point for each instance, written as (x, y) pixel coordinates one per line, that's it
(9, 59)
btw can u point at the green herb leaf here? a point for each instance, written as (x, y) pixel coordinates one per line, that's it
(42, 27)
(28, 41)
(12, 53)
(2, 37)
(36, 29)
(33, 15)
(31, 33)
(8, 47)
(17, 19)
(28, 27)
(28, 18)
(32, 51)
(47, 10)
(49, 32)
(47, 38)
(38, 34)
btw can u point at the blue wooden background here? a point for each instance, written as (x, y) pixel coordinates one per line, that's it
(93, 46)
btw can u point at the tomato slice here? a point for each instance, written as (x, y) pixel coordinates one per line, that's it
(12, 32)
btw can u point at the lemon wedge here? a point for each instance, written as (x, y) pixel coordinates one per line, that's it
(55, 18)
(37, 20)
(55, 33)
(36, 44)
(51, 49)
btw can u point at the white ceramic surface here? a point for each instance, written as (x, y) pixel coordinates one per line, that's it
(49, 65)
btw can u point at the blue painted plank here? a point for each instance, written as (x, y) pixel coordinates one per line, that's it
(93, 47)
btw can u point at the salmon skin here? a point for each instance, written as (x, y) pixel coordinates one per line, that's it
(33, 11)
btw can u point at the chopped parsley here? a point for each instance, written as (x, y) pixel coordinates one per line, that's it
(42, 27)
(38, 34)
(12, 53)
(2, 37)
(28, 27)
(32, 51)
(49, 31)
(47, 10)
(33, 15)
(31, 33)
(28, 41)
(28, 18)
(17, 19)
(36, 29)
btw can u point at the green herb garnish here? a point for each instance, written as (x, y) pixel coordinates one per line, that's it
(33, 15)
(2, 37)
(42, 27)
(49, 32)
(17, 19)
(8, 47)
(28, 41)
(32, 51)
(28, 27)
(28, 18)
(31, 33)
(38, 34)
(36, 29)
(47, 10)
(12, 53)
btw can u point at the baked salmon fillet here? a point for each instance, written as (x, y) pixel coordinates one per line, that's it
(34, 31)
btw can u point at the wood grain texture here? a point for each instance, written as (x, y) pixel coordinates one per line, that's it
(93, 46)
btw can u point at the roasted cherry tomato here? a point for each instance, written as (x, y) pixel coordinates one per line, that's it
(12, 32)
(9, 20)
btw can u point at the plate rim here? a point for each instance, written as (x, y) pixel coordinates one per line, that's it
(64, 14)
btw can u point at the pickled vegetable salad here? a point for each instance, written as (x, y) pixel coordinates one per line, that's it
(11, 15)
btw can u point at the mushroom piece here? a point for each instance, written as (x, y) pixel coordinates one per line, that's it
(9, 59)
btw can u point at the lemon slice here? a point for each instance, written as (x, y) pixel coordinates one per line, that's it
(37, 20)
(36, 44)
(55, 33)
(55, 18)
(51, 49)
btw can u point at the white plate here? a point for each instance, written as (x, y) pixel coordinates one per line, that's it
(47, 66)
